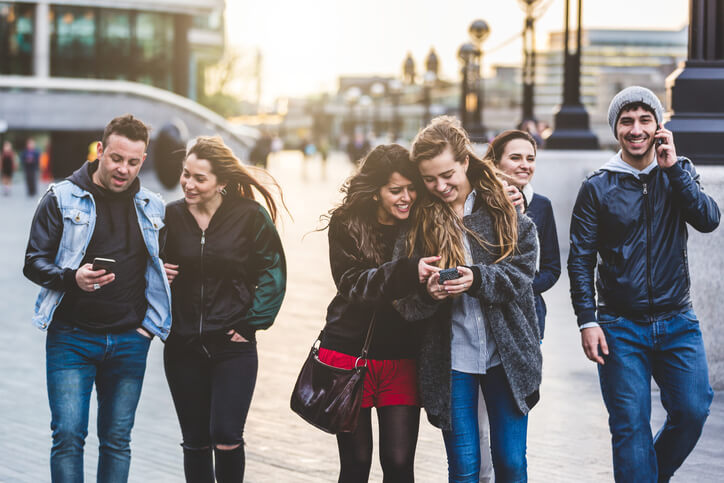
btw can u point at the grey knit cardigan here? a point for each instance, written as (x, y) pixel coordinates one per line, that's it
(506, 299)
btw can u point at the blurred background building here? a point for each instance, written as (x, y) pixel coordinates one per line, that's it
(67, 67)
(386, 108)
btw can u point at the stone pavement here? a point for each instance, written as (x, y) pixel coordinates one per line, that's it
(568, 437)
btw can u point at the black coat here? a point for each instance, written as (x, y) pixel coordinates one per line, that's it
(364, 289)
(634, 231)
(231, 276)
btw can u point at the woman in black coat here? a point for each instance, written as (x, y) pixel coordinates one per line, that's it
(362, 232)
(228, 272)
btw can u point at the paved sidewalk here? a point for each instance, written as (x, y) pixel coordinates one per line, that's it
(568, 437)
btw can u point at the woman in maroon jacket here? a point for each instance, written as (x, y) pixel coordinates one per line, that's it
(362, 233)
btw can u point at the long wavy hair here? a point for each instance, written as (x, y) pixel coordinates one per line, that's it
(239, 180)
(358, 210)
(496, 148)
(437, 229)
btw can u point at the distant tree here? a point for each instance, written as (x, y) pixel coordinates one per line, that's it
(235, 78)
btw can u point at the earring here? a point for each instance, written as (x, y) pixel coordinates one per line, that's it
(222, 191)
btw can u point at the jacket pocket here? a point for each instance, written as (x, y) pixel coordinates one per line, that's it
(151, 229)
(76, 224)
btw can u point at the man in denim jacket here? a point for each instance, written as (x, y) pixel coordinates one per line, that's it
(100, 322)
(629, 226)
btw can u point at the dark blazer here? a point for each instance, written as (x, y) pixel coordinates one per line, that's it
(541, 212)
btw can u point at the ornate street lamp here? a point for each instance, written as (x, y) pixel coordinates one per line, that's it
(694, 90)
(479, 31)
(408, 69)
(571, 121)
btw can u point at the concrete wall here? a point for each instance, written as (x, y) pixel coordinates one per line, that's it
(559, 175)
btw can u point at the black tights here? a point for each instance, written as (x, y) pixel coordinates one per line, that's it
(398, 427)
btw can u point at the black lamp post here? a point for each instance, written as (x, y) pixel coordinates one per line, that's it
(695, 90)
(479, 31)
(395, 89)
(377, 90)
(429, 80)
(571, 121)
(528, 73)
(467, 97)
(352, 96)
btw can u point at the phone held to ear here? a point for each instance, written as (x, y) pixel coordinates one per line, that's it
(103, 264)
(449, 274)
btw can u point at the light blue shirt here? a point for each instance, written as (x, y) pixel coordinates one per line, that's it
(472, 350)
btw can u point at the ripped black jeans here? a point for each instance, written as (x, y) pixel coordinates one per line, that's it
(212, 381)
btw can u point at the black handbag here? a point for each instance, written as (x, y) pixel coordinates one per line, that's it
(329, 397)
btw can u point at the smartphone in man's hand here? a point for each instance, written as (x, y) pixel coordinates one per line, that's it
(103, 264)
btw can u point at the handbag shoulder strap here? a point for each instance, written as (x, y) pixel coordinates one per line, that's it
(368, 338)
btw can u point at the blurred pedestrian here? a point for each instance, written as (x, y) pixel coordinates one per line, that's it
(30, 160)
(362, 233)
(629, 228)
(227, 271)
(93, 248)
(45, 164)
(358, 147)
(260, 153)
(8, 167)
(514, 153)
(531, 127)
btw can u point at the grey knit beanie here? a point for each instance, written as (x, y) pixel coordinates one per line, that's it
(629, 96)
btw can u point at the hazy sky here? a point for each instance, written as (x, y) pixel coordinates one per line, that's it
(306, 44)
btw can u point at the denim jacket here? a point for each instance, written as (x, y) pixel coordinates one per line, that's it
(78, 210)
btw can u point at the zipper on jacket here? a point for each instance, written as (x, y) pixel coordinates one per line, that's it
(201, 307)
(648, 246)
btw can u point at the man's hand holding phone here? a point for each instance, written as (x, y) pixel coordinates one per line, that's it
(664, 146)
(92, 276)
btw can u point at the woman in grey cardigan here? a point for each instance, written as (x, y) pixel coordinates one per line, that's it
(481, 329)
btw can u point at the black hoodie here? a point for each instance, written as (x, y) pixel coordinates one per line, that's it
(120, 305)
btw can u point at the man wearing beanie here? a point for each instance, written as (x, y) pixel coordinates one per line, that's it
(629, 226)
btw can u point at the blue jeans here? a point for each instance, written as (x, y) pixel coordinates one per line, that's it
(116, 363)
(672, 351)
(508, 428)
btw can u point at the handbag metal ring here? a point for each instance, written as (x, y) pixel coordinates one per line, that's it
(357, 361)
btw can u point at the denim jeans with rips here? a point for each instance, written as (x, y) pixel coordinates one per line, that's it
(670, 350)
(75, 360)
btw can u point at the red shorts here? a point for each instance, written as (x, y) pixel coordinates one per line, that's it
(389, 382)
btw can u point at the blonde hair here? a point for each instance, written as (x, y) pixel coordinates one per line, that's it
(437, 229)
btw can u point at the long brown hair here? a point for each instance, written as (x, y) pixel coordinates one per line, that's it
(229, 170)
(438, 230)
(358, 210)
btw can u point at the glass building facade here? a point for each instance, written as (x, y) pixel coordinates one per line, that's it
(16, 38)
(151, 46)
(114, 44)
